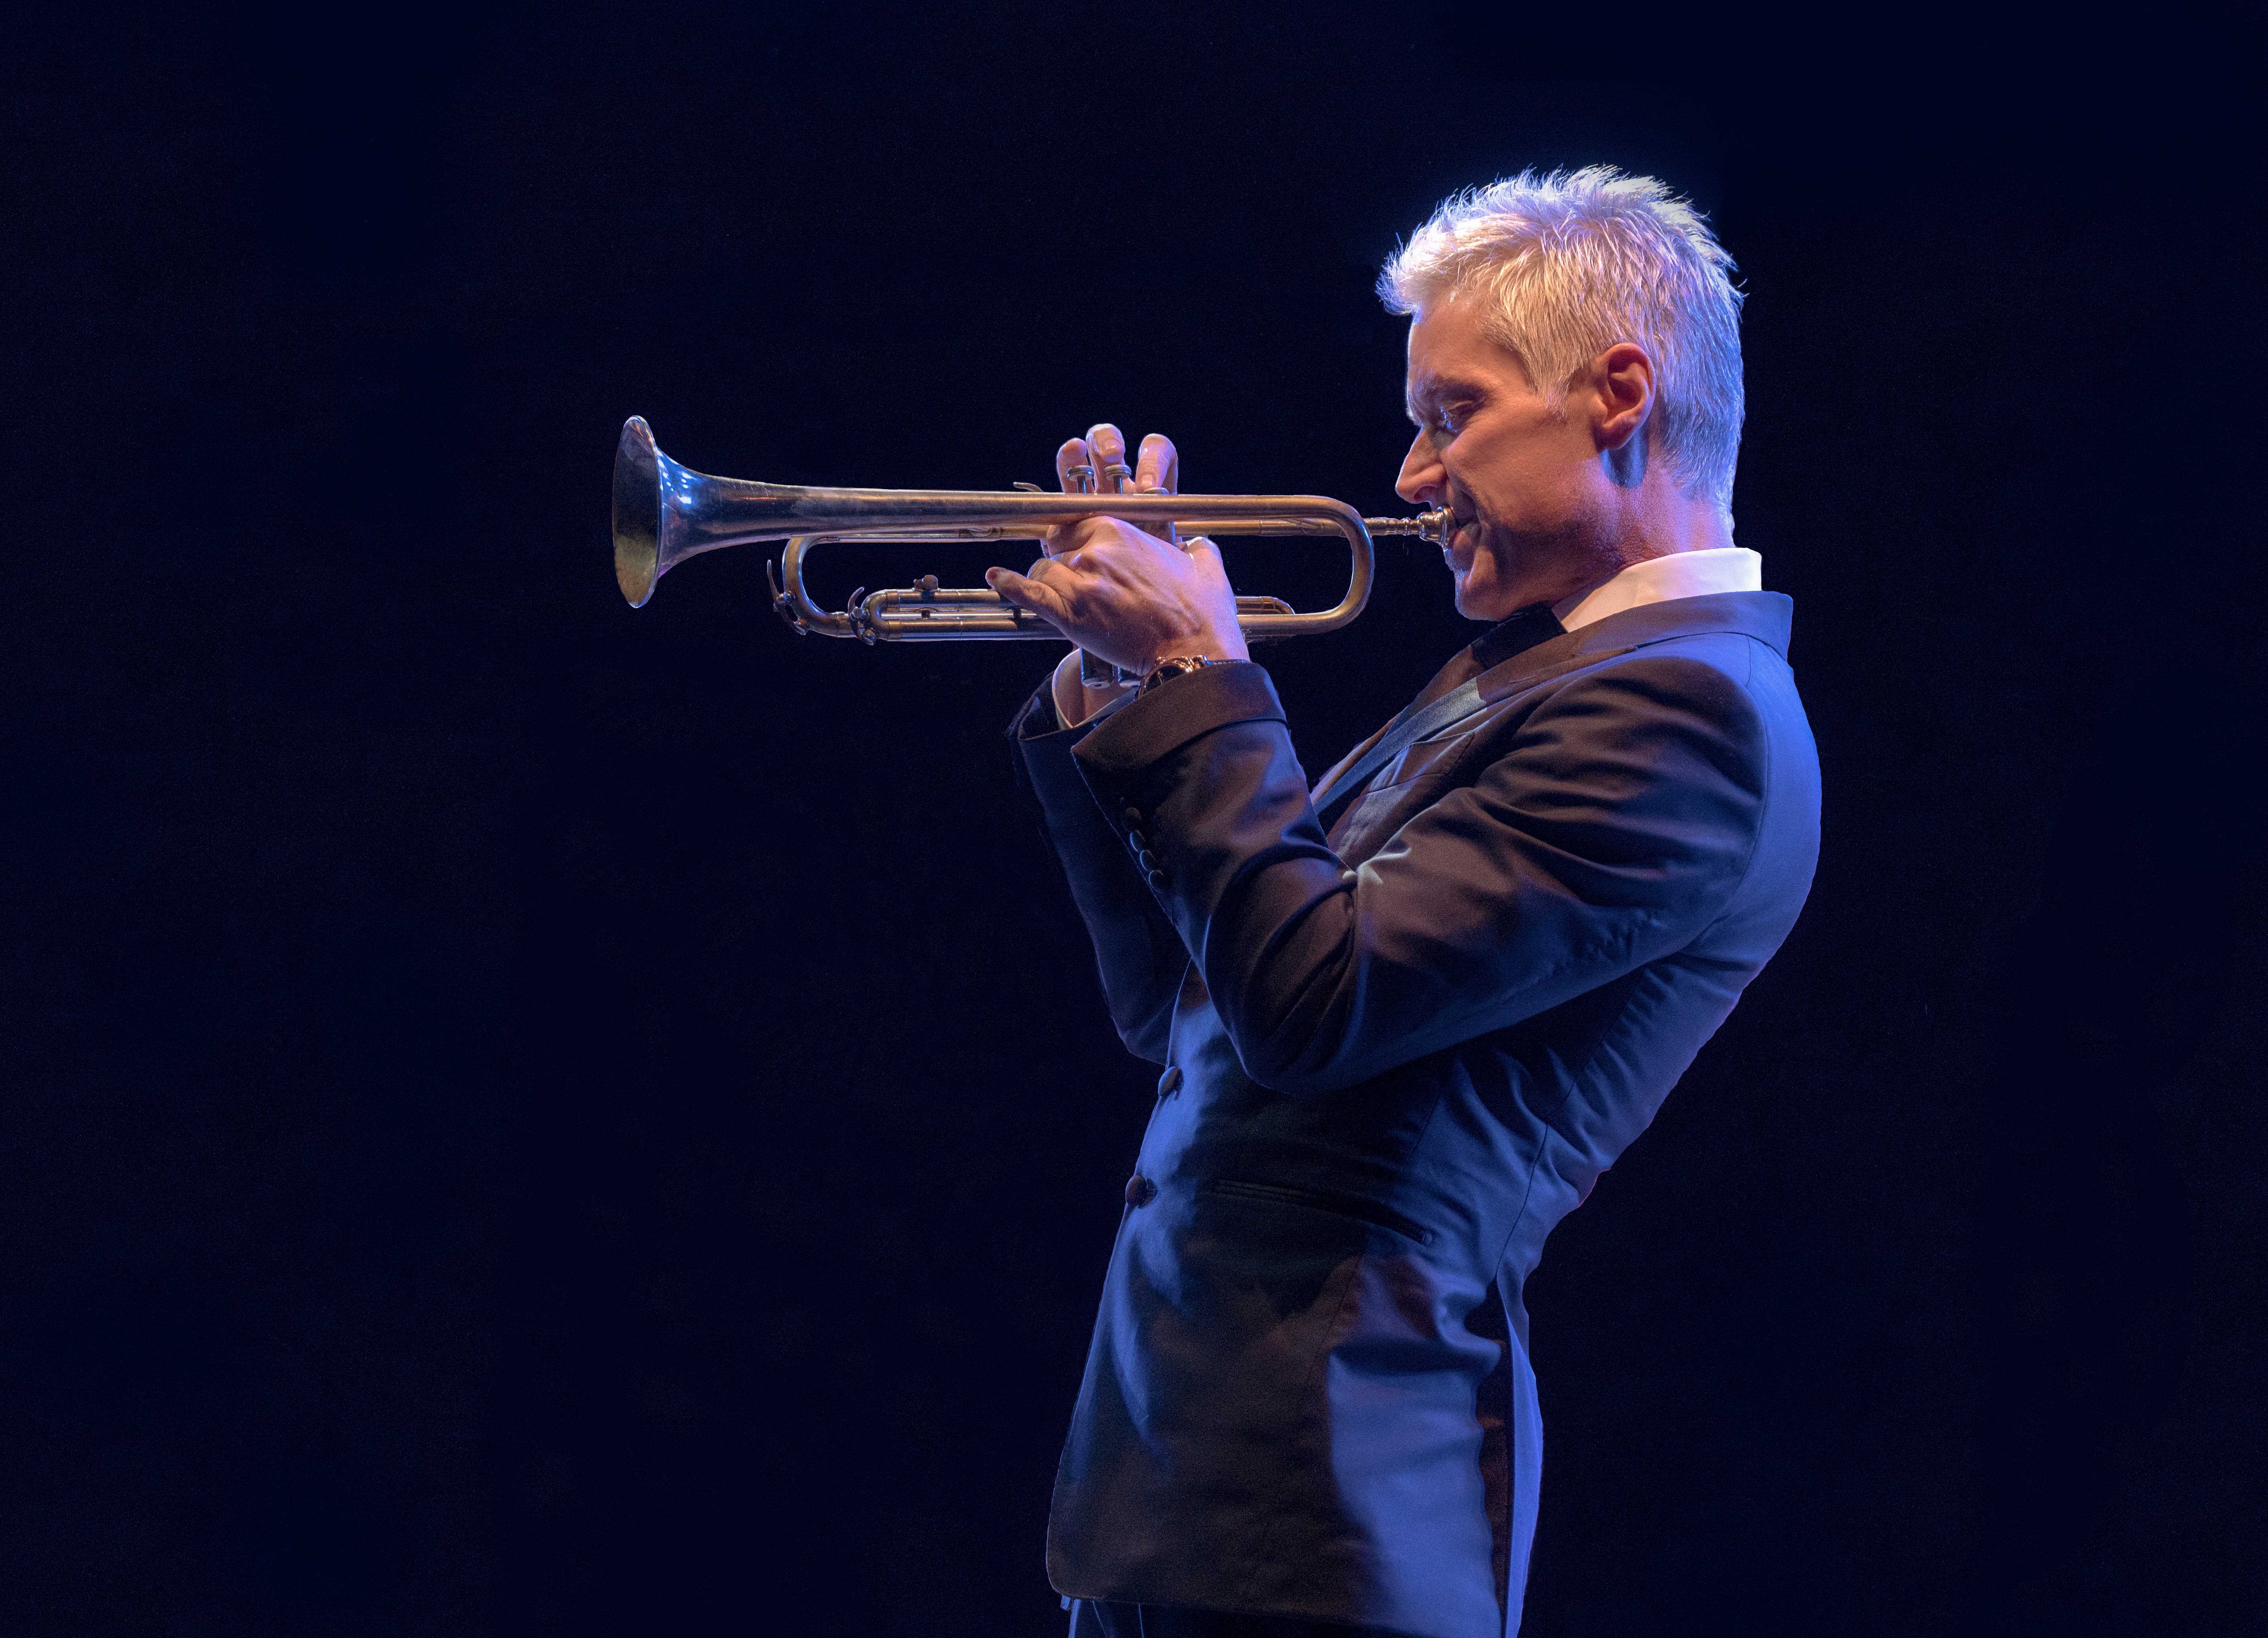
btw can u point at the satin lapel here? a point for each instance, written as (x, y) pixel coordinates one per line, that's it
(1362, 750)
(1348, 760)
(1545, 660)
(1436, 717)
(1499, 683)
(1760, 614)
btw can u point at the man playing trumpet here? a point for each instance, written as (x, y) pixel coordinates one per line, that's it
(1406, 1020)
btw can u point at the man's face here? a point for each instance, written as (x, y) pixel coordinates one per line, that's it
(1521, 480)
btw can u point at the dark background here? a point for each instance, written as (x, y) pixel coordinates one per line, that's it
(525, 1117)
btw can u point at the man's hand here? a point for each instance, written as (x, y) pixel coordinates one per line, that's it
(1118, 591)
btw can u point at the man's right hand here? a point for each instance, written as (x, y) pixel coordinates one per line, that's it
(1157, 471)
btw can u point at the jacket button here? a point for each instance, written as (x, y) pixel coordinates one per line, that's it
(1140, 1190)
(1146, 860)
(1170, 1082)
(1158, 880)
(1133, 817)
(1137, 840)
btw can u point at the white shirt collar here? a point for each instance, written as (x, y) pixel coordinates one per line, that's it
(1662, 579)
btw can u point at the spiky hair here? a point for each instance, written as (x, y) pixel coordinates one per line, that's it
(1569, 262)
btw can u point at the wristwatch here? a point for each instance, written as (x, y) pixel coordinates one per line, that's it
(1171, 666)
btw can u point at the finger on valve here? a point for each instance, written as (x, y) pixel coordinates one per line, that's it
(1106, 451)
(1112, 474)
(1157, 469)
(1075, 471)
(1075, 467)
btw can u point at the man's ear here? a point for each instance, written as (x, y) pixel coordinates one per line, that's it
(1624, 378)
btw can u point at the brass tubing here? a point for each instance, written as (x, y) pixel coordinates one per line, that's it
(665, 513)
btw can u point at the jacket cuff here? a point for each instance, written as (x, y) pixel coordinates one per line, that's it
(1138, 733)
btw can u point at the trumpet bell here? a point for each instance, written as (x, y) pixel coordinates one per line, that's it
(665, 513)
(640, 512)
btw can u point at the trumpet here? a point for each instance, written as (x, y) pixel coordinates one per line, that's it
(665, 513)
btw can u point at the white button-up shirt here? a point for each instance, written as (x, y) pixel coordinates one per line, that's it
(1661, 579)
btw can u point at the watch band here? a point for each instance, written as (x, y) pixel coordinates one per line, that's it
(1171, 666)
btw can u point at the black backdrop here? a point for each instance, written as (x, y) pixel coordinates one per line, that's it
(526, 1117)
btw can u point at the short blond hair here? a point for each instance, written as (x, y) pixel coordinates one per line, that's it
(1571, 262)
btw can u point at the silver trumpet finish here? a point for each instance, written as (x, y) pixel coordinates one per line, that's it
(665, 513)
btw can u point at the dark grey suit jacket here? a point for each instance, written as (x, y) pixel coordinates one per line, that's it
(1398, 1056)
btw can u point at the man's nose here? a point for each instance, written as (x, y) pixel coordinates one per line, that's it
(1422, 476)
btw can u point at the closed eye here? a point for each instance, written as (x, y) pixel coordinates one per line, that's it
(1443, 420)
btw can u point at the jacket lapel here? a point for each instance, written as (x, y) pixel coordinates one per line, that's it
(1763, 616)
(1508, 637)
(1455, 671)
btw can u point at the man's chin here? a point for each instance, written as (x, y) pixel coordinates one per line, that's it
(1479, 601)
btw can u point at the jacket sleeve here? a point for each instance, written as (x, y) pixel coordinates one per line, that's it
(1616, 822)
(1140, 955)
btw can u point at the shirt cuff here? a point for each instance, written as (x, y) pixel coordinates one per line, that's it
(1039, 719)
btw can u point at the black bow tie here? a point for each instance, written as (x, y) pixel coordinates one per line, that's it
(1518, 632)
